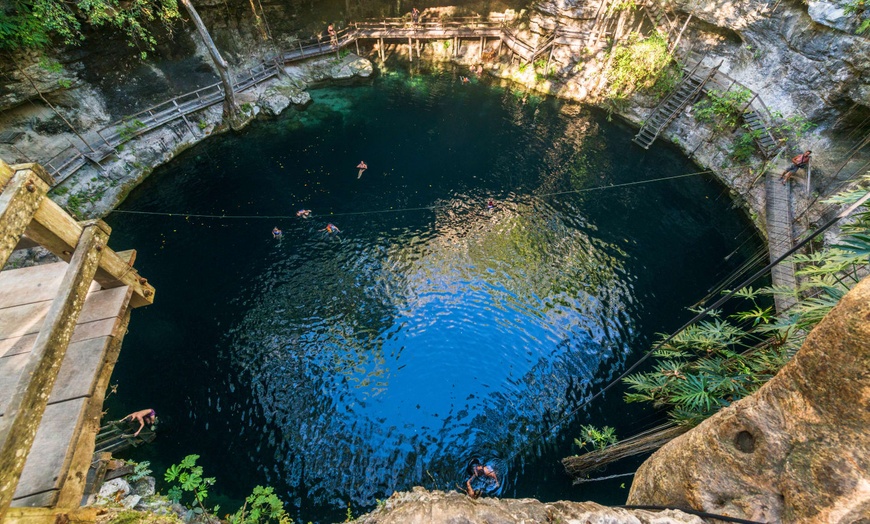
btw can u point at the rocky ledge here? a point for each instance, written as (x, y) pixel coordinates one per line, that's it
(421, 506)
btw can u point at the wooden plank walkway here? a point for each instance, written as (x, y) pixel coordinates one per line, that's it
(105, 141)
(74, 407)
(780, 236)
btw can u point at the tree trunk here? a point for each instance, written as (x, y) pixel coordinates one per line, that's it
(230, 107)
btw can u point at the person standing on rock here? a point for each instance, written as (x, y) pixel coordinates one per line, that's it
(798, 162)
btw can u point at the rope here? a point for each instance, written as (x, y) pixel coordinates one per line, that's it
(422, 208)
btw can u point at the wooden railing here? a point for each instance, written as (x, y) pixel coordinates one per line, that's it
(108, 138)
(27, 213)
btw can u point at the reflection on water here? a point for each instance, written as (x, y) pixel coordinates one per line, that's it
(396, 352)
(341, 367)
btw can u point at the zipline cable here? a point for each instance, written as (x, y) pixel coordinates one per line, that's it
(421, 208)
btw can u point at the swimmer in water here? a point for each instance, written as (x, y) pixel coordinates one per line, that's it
(303, 213)
(276, 233)
(362, 167)
(490, 205)
(476, 469)
(330, 228)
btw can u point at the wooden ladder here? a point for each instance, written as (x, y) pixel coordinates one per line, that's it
(761, 133)
(670, 107)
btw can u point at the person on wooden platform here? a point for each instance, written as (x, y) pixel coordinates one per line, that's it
(277, 233)
(798, 162)
(145, 416)
(362, 167)
(415, 15)
(333, 39)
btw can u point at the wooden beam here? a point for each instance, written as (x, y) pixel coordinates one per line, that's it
(51, 516)
(73, 486)
(21, 198)
(58, 232)
(38, 170)
(24, 413)
(6, 173)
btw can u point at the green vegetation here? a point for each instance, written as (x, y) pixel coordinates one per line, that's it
(859, 10)
(723, 109)
(260, 507)
(186, 477)
(595, 438)
(140, 471)
(129, 129)
(720, 360)
(641, 64)
(744, 145)
(246, 107)
(29, 24)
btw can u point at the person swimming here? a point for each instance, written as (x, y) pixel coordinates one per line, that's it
(277, 233)
(490, 204)
(477, 470)
(362, 167)
(330, 228)
(303, 213)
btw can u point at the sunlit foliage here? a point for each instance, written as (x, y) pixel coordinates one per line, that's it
(720, 360)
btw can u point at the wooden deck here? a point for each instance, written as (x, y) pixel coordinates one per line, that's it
(74, 407)
(61, 327)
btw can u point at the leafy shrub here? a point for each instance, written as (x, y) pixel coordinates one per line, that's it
(186, 477)
(595, 438)
(722, 108)
(260, 507)
(715, 362)
(639, 64)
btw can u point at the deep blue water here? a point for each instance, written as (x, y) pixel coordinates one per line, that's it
(342, 367)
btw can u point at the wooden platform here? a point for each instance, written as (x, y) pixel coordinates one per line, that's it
(66, 434)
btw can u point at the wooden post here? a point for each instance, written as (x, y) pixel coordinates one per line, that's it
(381, 49)
(19, 201)
(222, 66)
(550, 58)
(480, 52)
(356, 41)
(410, 50)
(24, 413)
(418, 48)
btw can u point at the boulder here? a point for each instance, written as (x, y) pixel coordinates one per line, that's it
(796, 451)
(111, 488)
(425, 507)
(144, 487)
(131, 501)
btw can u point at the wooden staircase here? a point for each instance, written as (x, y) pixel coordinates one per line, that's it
(669, 108)
(761, 133)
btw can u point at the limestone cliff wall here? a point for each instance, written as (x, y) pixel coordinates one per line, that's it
(796, 451)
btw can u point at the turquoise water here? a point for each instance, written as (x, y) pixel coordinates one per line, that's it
(342, 367)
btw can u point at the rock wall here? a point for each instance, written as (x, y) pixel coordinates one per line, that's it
(427, 507)
(797, 451)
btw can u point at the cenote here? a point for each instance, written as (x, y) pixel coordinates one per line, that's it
(339, 368)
